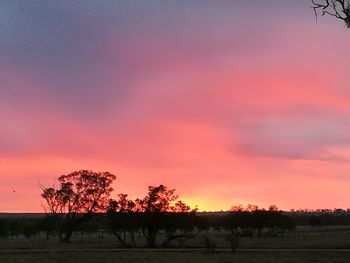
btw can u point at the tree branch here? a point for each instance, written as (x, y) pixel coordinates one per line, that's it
(337, 8)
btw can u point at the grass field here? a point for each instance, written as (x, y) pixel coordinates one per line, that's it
(305, 244)
(302, 237)
(183, 257)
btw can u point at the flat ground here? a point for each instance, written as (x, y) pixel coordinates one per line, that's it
(306, 244)
(268, 256)
(303, 237)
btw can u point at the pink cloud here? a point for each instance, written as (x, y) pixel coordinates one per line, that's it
(225, 114)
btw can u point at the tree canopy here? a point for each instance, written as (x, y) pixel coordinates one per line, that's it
(78, 195)
(160, 210)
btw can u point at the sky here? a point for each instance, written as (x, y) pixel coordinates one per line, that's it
(228, 102)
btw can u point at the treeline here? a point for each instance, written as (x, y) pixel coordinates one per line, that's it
(167, 229)
(27, 227)
(158, 219)
(157, 229)
(81, 202)
(329, 218)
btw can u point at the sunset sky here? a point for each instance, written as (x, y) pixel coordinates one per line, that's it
(226, 101)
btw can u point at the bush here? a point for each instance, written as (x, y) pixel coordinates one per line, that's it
(4, 229)
(209, 244)
(29, 231)
(233, 240)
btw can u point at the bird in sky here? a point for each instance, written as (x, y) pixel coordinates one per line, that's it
(13, 190)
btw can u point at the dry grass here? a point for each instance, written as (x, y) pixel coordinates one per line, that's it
(183, 257)
(303, 237)
(307, 237)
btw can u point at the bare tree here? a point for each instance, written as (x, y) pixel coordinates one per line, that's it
(337, 8)
(79, 195)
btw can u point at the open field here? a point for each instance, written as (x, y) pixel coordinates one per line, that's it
(305, 244)
(303, 237)
(268, 256)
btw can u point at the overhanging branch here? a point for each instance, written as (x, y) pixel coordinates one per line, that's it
(340, 9)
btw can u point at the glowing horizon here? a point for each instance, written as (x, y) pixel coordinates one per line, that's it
(227, 102)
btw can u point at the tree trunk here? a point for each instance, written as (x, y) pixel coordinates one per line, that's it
(121, 240)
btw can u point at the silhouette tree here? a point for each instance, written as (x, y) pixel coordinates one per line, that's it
(123, 220)
(79, 195)
(179, 226)
(159, 211)
(159, 208)
(337, 8)
(159, 199)
(253, 220)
